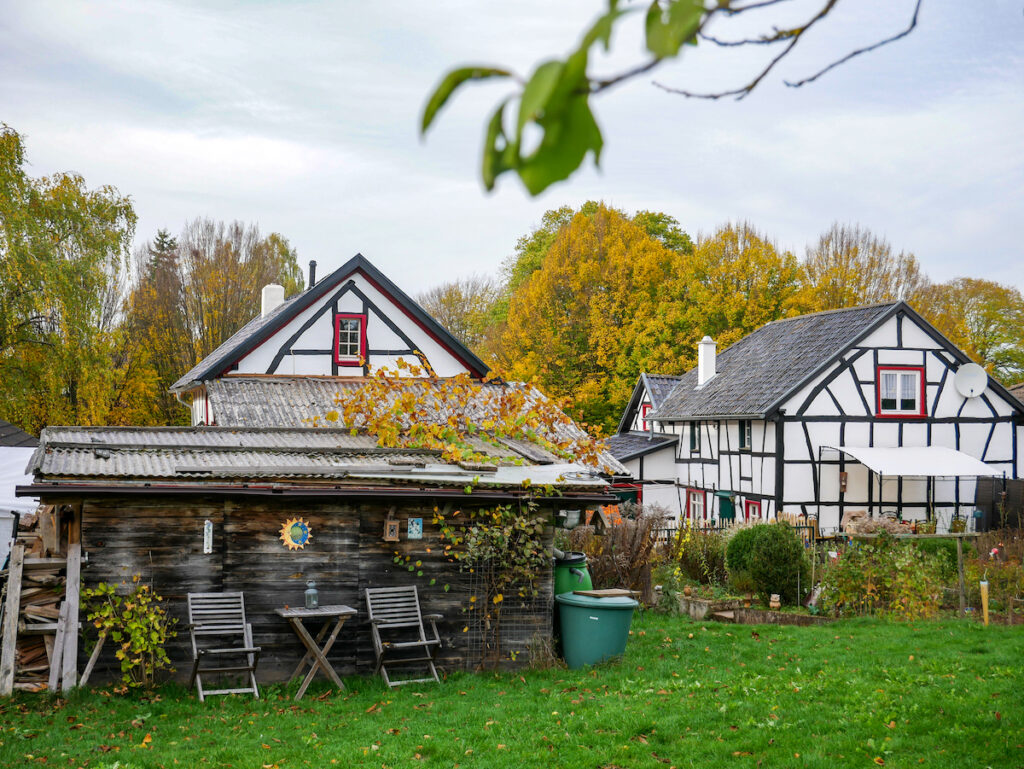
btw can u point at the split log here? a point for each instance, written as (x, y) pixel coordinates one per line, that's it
(69, 672)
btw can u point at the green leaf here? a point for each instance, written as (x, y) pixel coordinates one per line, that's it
(567, 140)
(669, 26)
(447, 86)
(537, 93)
(497, 150)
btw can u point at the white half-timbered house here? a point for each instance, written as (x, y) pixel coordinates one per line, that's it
(340, 326)
(868, 408)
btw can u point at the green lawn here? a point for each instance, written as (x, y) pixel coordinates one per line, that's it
(856, 693)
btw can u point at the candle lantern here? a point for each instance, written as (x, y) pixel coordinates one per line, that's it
(312, 596)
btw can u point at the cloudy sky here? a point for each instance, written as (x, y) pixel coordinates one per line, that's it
(302, 117)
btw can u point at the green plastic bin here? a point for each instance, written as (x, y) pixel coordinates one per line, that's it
(571, 573)
(593, 629)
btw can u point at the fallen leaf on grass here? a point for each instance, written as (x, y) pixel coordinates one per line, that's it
(879, 760)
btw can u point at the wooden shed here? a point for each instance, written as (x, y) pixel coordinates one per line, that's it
(202, 509)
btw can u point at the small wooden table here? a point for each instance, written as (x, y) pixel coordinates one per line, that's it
(316, 656)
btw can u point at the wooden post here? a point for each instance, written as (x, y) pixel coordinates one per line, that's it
(57, 659)
(69, 665)
(8, 646)
(960, 575)
(92, 660)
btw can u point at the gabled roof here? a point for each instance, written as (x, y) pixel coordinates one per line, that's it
(656, 386)
(755, 375)
(1017, 391)
(261, 328)
(633, 444)
(15, 436)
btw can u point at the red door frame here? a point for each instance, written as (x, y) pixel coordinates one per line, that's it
(751, 505)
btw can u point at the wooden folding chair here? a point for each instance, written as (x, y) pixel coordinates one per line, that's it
(399, 637)
(222, 616)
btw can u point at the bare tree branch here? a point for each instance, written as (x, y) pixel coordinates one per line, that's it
(743, 91)
(859, 51)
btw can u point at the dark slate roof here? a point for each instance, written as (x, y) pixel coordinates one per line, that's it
(659, 386)
(1017, 391)
(295, 401)
(259, 329)
(626, 446)
(758, 372)
(15, 436)
(193, 456)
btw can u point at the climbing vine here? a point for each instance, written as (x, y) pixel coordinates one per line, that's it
(504, 548)
(459, 417)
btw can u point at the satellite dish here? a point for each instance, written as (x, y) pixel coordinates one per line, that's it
(970, 380)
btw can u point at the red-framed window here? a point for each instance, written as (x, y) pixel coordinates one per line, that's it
(752, 509)
(349, 339)
(696, 504)
(900, 391)
(645, 409)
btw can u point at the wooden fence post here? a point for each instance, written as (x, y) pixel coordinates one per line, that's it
(960, 575)
(69, 664)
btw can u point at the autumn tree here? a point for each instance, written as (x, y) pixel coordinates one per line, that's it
(464, 307)
(850, 266)
(64, 358)
(983, 318)
(589, 318)
(739, 280)
(193, 292)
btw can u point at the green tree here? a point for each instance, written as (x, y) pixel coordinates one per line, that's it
(554, 101)
(983, 318)
(63, 253)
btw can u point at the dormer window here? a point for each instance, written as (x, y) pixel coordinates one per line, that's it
(349, 339)
(900, 391)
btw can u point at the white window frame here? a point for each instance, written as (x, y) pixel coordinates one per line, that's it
(900, 377)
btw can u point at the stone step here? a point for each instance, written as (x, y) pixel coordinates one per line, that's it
(724, 616)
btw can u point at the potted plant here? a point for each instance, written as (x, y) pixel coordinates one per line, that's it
(744, 584)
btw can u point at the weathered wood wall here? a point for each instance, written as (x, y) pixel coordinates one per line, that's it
(161, 539)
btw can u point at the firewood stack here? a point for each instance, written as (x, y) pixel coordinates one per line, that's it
(34, 646)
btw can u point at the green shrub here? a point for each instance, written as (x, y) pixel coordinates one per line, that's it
(778, 563)
(138, 625)
(883, 577)
(945, 551)
(737, 552)
(700, 555)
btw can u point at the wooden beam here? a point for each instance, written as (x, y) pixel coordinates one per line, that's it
(9, 642)
(92, 660)
(58, 650)
(48, 530)
(69, 665)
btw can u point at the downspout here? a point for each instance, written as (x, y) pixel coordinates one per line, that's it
(780, 452)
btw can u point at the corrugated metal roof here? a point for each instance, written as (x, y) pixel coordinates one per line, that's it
(246, 401)
(766, 365)
(132, 455)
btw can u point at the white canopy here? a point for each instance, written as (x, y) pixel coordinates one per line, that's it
(918, 461)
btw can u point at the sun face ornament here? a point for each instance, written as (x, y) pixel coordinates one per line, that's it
(295, 533)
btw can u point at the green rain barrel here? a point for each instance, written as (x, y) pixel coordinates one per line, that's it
(593, 629)
(571, 573)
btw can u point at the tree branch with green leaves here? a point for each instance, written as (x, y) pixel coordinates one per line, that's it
(555, 97)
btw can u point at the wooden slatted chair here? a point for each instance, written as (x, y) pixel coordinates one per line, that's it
(399, 637)
(221, 616)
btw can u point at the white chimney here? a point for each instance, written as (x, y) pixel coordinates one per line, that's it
(705, 360)
(273, 296)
